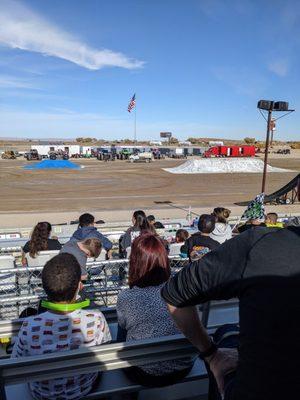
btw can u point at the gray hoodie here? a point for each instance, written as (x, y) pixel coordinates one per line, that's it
(221, 233)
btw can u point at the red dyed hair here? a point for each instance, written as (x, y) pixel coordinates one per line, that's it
(149, 263)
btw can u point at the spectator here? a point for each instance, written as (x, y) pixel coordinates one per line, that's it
(251, 223)
(151, 219)
(64, 326)
(87, 230)
(271, 221)
(40, 241)
(140, 224)
(255, 214)
(82, 250)
(261, 267)
(200, 243)
(181, 236)
(154, 223)
(222, 231)
(141, 312)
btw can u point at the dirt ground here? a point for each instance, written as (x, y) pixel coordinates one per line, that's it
(120, 185)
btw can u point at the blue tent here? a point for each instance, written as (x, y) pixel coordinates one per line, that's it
(53, 164)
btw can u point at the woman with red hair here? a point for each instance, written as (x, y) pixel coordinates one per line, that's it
(142, 313)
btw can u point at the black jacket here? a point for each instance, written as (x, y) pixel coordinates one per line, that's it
(262, 268)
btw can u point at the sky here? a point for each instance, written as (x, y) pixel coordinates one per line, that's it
(68, 68)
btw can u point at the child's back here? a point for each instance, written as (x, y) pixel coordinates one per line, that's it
(68, 327)
(49, 333)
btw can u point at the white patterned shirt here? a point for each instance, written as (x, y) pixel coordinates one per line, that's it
(50, 333)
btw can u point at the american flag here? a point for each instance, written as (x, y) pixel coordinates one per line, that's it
(131, 104)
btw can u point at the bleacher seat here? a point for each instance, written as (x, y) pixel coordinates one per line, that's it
(7, 280)
(41, 259)
(102, 256)
(174, 249)
(109, 358)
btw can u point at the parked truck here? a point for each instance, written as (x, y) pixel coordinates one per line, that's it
(177, 153)
(32, 154)
(141, 157)
(230, 151)
(9, 155)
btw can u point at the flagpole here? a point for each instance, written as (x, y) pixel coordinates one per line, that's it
(135, 122)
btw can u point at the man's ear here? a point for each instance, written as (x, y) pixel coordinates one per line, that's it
(80, 286)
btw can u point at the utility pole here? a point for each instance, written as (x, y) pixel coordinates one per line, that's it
(263, 187)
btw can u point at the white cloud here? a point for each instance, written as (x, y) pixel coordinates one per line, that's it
(23, 29)
(279, 67)
(11, 82)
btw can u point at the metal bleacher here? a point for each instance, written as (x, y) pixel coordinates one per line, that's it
(105, 279)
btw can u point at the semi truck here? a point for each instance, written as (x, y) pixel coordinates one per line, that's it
(230, 151)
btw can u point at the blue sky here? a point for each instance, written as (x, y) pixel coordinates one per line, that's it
(68, 68)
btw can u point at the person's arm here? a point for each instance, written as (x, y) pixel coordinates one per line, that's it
(220, 361)
(106, 243)
(216, 276)
(23, 259)
(109, 254)
(25, 250)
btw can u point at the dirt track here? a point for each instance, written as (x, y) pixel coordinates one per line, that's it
(120, 185)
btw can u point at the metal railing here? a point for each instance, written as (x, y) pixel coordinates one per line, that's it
(21, 287)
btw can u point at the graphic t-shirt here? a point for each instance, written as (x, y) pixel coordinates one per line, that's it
(198, 245)
(49, 333)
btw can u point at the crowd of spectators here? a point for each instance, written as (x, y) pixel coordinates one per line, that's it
(257, 262)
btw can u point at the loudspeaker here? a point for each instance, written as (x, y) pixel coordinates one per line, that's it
(264, 104)
(281, 106)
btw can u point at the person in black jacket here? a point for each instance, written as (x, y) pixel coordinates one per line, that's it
(200, 243)
(262, 268)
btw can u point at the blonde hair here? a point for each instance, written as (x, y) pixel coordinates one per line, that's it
(221, 214)
(93, 245)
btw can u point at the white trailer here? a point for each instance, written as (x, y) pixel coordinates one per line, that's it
(86, 150)
(215, 143)
(156, 143)
(178, 152)
(42, 149)
(71, 149)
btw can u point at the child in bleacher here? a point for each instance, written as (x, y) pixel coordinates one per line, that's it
(271, 221)
(200, 243)
(64, 326)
